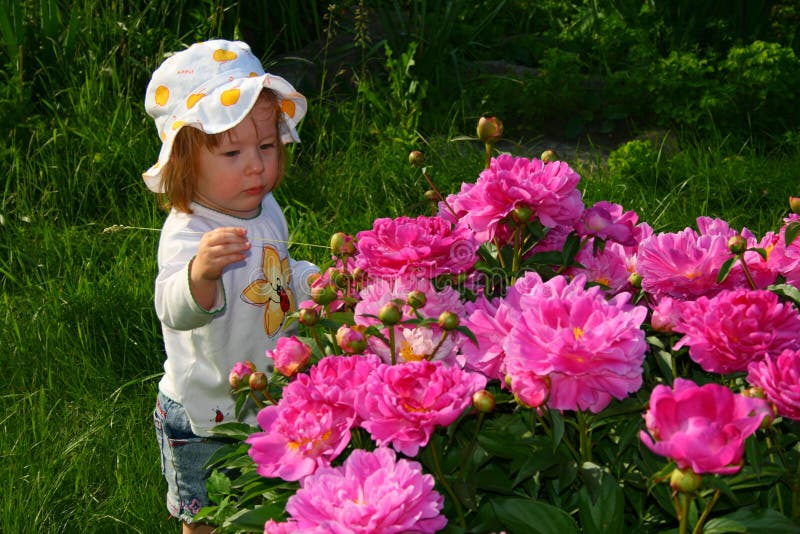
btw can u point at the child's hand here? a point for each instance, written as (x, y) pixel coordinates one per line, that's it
(218, 249)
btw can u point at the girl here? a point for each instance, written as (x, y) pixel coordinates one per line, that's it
(225, 280)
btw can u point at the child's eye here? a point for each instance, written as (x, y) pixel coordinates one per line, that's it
(267, 146)
(231, 153)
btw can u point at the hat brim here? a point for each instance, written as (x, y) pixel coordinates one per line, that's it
(212, 112)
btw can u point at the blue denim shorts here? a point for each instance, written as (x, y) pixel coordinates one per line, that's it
(183, 459)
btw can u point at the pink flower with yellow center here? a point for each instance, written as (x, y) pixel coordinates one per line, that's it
(402, 404)
(701, 427)
(681, 265)
(726, 332)
(591, 349)
(371, 492)
(301, 433)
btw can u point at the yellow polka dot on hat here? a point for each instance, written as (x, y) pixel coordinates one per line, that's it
(212, 86)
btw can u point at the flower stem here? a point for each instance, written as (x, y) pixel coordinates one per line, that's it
(437, 465)
(315, 335)
(438, 193)
(488, 147)
(747, 273)
(392, 350)
(585, 437)
(698, 528)
(682, 504)
(438, 345)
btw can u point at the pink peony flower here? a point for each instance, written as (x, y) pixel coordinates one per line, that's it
(530, 389)
(761, 272)
(608, 268)
(681, 265)
(301, 433)
(371, 492)
(607, 221)
(728, 331)
(592, 349)
(289, 355)
(422, 247)
(402, 404)
(240, 371)
(548, 189)
(490, 322)
(666, 314)
(779, 378)
(701, 427)
(786, 259)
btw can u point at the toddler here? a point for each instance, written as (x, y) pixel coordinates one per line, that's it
(225, 280)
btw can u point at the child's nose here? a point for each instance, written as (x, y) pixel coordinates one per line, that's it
(255, 164)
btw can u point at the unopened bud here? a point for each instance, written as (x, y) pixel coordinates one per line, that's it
(258, 381)
(794, 204)
(521, 214)
(390, 314)
(432, 195)
(340, 279)
(416, 299)
(342, 244)
(737, 244)
(416, 158)
(483, 401)
(635, 279)
(489, 129)
(548, 156)
(324, 295)
(308, 317)
(685, 480)
(448, 321)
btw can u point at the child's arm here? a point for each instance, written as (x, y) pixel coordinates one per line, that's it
(217, 249)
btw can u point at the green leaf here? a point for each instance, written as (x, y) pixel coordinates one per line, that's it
(467, 332)
(558, 427)
(218, 486)
(786, 291)
(234, 430)
(601, 502)
(750, 520)
(253, 520)
(725, 269)
(533, 517)
(760, 251)
(792, 231)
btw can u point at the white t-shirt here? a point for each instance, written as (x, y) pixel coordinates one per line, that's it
(246, 320)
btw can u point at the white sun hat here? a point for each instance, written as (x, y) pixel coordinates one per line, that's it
(212, 86)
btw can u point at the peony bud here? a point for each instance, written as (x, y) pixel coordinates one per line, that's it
(483, 401)
(794, 204)
(324, 295)
(737, 244)
(548, 156)
(635, 279)
(308, 317)
(685, 481)
(390, 314)
(290, 355)
(258, 381)
(240, 371)
(432, 195)
(416, 158)
(416, 299)
(448, 321)
(489, 129)
(521, 214)
(352, 339)
(342, 244)
(339, 278)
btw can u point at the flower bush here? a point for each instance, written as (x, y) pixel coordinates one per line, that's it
(521, 362)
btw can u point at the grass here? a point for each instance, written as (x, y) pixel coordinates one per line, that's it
(82, 346)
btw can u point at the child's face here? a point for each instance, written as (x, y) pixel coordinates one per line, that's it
(236, 175)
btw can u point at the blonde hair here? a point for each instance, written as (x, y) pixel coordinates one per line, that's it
(179, 175)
